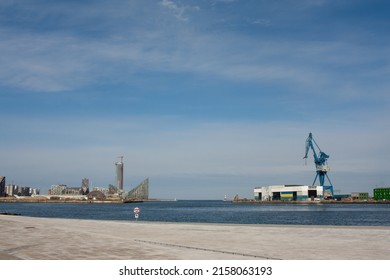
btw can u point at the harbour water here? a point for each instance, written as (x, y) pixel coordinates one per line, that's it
(207, 211)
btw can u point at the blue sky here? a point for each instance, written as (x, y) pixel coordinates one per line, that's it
(205, 98)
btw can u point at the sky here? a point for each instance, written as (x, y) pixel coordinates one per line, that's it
(205, 98)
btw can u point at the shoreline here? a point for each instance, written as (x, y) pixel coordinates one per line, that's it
(313, 202)
(76, 239)
(42, 199)
(71, 200)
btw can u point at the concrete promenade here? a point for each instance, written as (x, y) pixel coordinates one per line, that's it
(65, 239)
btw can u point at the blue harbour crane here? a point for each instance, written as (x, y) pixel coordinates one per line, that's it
(320, 161)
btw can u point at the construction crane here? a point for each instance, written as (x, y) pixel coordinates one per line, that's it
(322, 168)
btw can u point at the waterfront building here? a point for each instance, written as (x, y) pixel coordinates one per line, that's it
(2, 186)
(105, 191)
(289, 193)
(72, 191)
(9, 190)
(96, 195)
(57, 189)
(85, 186)
(112, 190)
(119, 174)
(24, 191)
(382, 193)
(363, 196)
(342, 197)
(35, 191)
(139, 192)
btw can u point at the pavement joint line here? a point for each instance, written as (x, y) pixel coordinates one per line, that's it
(18, 248)
(205, 249)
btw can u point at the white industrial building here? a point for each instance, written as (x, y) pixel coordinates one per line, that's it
(289, 193)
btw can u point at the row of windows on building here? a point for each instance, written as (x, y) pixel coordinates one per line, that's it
(11, 189)
(382, 194)
(60, 189)
(65, 190)
(83, 190)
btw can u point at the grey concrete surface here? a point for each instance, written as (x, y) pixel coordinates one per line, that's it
(65, 239)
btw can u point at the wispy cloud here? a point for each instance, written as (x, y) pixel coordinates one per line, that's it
(178, 11)
(42, 63)
(265, 22)
(63, 60)
(48, 62)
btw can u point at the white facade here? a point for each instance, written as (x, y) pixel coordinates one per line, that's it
(289, 193)
(119, 175)
(57, 189)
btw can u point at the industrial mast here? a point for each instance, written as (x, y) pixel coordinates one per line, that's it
(321, 164)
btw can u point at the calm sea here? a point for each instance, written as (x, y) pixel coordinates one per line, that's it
(206, 211)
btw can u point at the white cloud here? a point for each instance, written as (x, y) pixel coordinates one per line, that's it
(42, 63)
(265, 22)
(49, 62)
(178, 11)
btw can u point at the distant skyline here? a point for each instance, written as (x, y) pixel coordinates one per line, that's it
(204, 98)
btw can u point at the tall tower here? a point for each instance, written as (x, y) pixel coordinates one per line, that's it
(85, 186)
(119, 174)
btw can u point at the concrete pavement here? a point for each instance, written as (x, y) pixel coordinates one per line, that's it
(68, 239)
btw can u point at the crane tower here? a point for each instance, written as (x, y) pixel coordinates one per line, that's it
(320, 161)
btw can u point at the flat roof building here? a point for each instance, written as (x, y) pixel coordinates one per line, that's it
(57, 189)
(382, 193)
(364, 196)
(288, 193)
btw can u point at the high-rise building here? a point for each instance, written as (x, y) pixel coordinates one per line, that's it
(119, 174)
(85, 186)
(2, 186)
